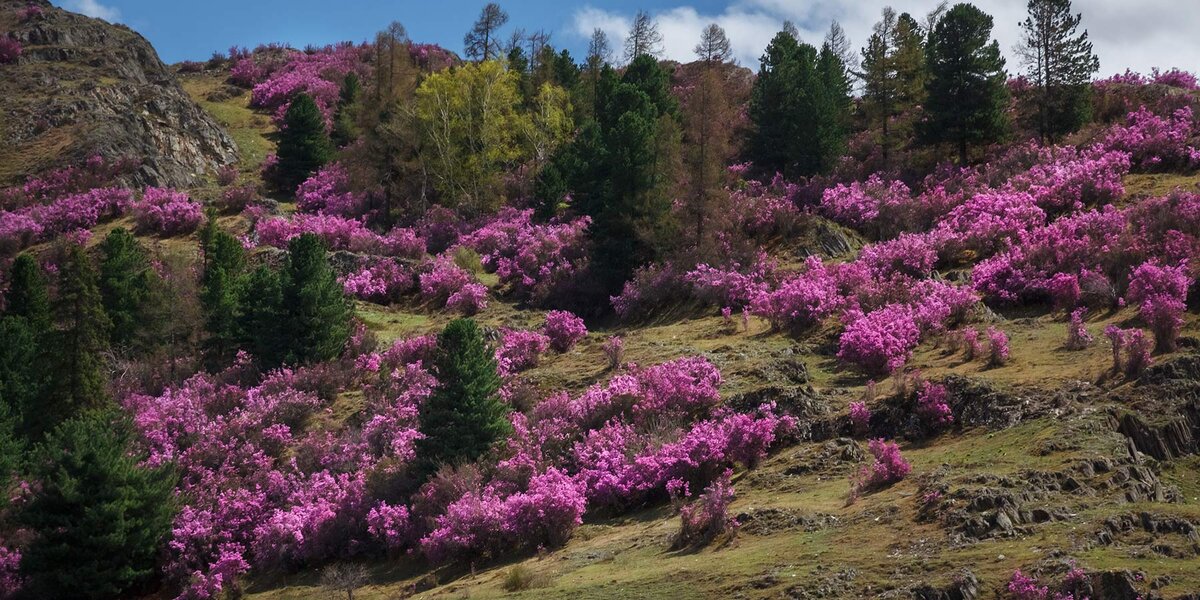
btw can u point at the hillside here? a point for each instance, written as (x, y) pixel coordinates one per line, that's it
(405, 324)
(84, 88)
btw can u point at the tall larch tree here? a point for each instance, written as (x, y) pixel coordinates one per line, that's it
(644, 38)
(483, 41)
(1059, 62)
(708, 117)
(967, 91)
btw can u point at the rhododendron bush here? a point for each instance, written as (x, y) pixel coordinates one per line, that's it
(535, 259)
(261, 488)
(318, 74)
(328, 191)
(166, 212)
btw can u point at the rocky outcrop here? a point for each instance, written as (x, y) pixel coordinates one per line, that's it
(84, 87)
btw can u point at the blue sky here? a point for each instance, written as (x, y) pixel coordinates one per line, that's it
(1137, 35)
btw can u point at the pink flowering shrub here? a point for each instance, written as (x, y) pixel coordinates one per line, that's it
(1023, 587)
(652, 287)
(564, 329)
(10, 575)
(733, 286)
(1157, 143)
(887, 466)
(1078, 337)
(391, 525)
(166, 212)
(910, 254)
(761, 210)
(1130, 344)
(31, 12)
(614, 351)
(708, 517)
(17, 231)
(237, 198)
(318, 74)
(384, 282)
(1162, 295)
(802, 301)
(31, 224)
(997, 347)
(1176, 78)
(446, 284)
(468, 300)
(932, 405)
(861, 204)
(10, 50)
(339, 233)
(860, 418)
(990, 222)
(485, 525)
(328, 192)
(1067, 179)
(535, 259)
(881, 341)
(520, 350)
(227, 175)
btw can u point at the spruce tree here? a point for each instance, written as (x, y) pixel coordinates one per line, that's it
(317, 322)
(260, 317)
(219, 295)
(27, 295)
(125, 285)
(1060, 64)
(797, 109)
(967, 92)
(74, 353)
(98, 516)
(303, 145)
(464, 416)
(24, 326)
(11, 449)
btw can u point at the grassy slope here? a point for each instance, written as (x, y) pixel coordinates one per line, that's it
(875, 544)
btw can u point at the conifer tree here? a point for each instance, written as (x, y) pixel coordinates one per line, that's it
(644, 38)
(125, 285)
(24, 325)
(220, 294)
(967, 93)
(27, 295)
(464, 416)
(261, 318)
(797, 109)
(317, 322)
(74, 352)
(482, 42)
(11, 448)
(98, 516)
(1060, 64)
(303, 145)
(345, 120)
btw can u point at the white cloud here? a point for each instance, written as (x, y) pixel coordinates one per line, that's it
(1135, 35)
(92, 8)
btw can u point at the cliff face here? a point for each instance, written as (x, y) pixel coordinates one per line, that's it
(83, 86)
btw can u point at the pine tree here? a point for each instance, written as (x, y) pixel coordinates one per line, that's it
(464, 416)
(714, 45)
(99, 516)
(303, 145)
(644, 38)
(1060, 64)
(482, 42)
(220, 294)
(125, 285)
(74, 353)
(967, 92)
(317, 322)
